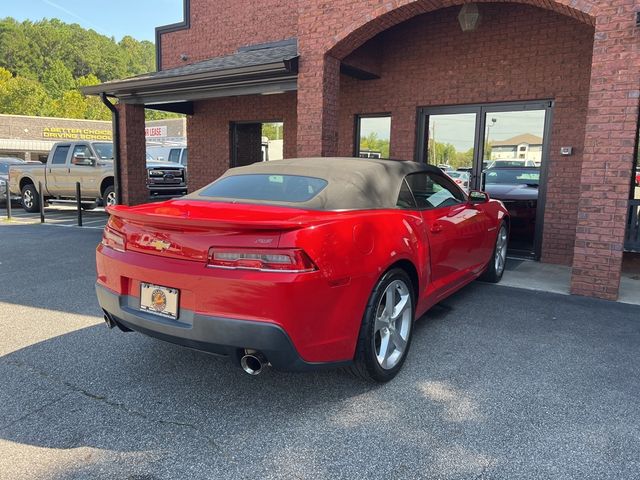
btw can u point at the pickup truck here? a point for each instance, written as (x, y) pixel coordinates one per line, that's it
(91, 164)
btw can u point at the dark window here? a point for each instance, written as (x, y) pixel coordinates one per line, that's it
(434, 191)
(512, 176)
(104, 150)
(405, 198)
(275, 188)
(60, 155)
(174, 155)
(185, 156)
(372, 136)
(4, 168)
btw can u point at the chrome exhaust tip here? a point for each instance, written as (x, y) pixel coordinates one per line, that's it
(109, 321)
(253, 363)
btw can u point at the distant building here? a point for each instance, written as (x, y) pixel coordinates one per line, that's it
(521, 147)
(31, 138)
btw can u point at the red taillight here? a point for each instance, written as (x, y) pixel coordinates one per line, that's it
(266, 260)
(113, 239)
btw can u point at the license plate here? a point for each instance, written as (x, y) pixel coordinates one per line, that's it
(159, 300)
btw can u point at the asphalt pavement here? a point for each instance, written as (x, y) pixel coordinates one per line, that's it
(500, 383)
(61, 215)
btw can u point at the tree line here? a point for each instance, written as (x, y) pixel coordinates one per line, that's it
(44, 64)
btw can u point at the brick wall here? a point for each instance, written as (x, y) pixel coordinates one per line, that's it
(429, 61)
(220, 27)
(132, 154)
(208, 130)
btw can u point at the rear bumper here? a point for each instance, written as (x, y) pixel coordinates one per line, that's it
(222, 336)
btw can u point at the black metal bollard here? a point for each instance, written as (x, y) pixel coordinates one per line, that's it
(41, 202)
(8, 203)
(79, 203)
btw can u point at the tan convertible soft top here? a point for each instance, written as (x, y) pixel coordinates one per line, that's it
(353, 183)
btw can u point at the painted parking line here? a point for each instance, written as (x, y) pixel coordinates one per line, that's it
(60, 217)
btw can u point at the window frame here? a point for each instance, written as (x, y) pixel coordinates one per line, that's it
(356, 130)
(66, 157)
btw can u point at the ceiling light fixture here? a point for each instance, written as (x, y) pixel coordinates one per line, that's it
(469, 17)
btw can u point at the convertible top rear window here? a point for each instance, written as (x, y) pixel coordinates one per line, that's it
(269, 188)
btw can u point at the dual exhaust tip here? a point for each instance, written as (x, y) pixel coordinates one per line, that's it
(253, 362)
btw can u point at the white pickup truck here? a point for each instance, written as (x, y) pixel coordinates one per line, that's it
(91, 164)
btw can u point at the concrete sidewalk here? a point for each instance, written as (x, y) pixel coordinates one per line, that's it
(545, 277)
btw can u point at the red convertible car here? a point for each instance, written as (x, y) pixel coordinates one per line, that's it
(300, 263)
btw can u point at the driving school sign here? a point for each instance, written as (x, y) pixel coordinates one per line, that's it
(61, 133)
(155, 132)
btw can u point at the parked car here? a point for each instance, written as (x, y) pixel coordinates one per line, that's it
(517, 188)
(509, 162)
(461, 179)
(5, 163)
(637, 179)
(178, 154)
(300, 263)
(91, 164)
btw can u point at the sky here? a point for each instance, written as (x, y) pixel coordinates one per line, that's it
(114, 18)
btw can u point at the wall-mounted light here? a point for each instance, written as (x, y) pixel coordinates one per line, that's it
(184, 57)
(469, 17)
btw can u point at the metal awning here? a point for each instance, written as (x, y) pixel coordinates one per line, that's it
(256, 69)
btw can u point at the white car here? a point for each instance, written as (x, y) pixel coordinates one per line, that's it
(461, 179)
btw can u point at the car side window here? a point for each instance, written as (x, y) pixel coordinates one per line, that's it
(405, 197)
(174, 155)
(185, 156)
(80, 152)
(433, 191)
(60, 155)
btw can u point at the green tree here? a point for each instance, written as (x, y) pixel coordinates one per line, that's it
(57, 79)
(24, 96)
(44, 63)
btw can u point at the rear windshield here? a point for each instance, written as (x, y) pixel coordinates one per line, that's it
(270, 188)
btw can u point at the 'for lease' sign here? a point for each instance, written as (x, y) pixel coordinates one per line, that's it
(155, 132)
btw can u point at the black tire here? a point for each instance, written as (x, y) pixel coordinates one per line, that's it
(366, 364)
(494, 271)
(109, 193)
(30, 198)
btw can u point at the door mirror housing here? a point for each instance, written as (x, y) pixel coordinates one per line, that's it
(83, 160)
(476, 197)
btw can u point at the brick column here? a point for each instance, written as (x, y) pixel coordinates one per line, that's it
(133, 172)
(318, 92)
(610, 139)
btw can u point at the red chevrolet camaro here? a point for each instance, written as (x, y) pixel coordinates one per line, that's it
(300, 263)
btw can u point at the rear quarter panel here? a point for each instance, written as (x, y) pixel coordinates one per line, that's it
(352, 251)
(34, 173)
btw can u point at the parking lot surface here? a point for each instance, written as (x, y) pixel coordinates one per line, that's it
(500, 383)
(58, 214)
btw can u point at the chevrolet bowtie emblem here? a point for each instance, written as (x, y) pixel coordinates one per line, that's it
(160, 245)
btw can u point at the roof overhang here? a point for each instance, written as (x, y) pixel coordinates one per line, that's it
(249, 71)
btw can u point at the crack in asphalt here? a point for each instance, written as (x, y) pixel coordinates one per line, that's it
(34, 412)
(103, 399)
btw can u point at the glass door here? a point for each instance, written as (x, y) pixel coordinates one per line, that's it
(498, 148)
(451, 145)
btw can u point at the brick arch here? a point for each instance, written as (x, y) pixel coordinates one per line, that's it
(394, 12)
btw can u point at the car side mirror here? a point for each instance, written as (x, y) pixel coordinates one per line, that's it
(83, 161)
(476, 197)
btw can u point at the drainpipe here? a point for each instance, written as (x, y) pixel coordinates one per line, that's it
(116, 146)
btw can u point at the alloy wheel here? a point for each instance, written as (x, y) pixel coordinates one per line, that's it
(27, 199)
(393, 324)
(501, 250)
(111, 199)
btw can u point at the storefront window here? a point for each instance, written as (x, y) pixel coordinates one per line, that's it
(373, 133)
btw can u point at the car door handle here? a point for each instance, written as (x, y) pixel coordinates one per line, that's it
(436, 228)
